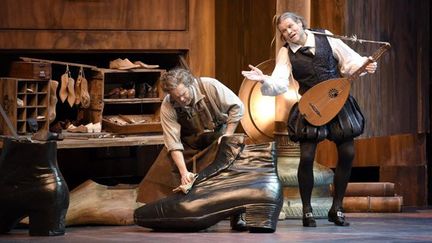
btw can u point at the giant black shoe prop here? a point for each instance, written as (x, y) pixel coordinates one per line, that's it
(31, 185)
(238, 181)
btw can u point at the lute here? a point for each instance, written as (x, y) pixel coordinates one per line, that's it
(322, 102)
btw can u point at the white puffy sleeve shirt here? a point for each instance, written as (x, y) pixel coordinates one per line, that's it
(348, 62)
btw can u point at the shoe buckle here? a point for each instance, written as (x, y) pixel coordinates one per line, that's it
(340, 214)
(309, 215)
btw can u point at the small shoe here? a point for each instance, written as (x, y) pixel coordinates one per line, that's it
(309, 220)
(113, 94)
(131, 93)
(123, 93)
(77, 129)
(97, 127)
(90, 127)
(337, 217)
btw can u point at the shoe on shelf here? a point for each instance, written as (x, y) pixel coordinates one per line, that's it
(131, 93)
(77, 129)
(94, 127)
(337, 217)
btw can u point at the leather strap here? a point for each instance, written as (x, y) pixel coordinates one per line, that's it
(207, 106)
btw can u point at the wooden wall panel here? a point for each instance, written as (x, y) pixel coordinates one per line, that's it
(394, 100)
(396, 150)
(244, 32)
(93, 40)
(410, 182)
(321, 12)
(94, 15)
(185, 26)
(202, 37)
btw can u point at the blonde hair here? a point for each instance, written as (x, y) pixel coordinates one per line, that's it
(277, 19)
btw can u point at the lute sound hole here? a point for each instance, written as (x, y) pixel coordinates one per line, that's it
(333, 93)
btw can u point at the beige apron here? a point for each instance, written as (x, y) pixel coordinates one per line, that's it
(200, 149)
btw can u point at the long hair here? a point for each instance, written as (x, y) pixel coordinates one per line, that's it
(277, 19)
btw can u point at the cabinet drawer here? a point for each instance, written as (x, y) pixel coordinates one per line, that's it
(30, 70)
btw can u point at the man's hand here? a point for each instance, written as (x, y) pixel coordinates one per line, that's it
(187, 178)
(372, 67)
(254, 74)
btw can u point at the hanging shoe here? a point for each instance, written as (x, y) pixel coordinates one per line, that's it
(71, 91)
(337, 216)
(32, 185)
(236, 182)
(63, 93)
(85, 95)
(53, 85)
(78, 89)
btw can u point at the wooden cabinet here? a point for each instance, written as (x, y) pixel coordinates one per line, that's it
(23, 99)
(131, 100)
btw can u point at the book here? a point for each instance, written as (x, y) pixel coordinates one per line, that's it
(373, 204)
(373, 189)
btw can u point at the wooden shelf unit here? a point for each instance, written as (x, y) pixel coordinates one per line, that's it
(23, 99)
(144, 107)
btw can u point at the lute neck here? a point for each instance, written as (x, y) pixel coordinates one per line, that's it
(377, 54)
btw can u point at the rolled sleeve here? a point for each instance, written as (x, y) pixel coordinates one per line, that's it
(171, 128)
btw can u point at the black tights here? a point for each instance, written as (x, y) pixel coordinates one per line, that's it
(342, 174)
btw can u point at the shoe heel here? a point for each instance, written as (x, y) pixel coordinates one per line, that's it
(262, 218)
(47, 222)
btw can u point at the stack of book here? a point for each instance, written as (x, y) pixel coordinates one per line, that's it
(376, 197)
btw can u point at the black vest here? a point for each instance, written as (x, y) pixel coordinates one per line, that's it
(310, 70)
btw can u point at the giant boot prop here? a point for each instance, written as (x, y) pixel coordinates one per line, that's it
(236, 182)
(31, 185)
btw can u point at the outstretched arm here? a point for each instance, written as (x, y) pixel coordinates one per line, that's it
(277, 83)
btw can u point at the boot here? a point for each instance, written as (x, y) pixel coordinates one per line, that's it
(236, 182)
(31, 185)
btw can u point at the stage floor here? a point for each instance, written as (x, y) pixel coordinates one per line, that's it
(412, 226)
